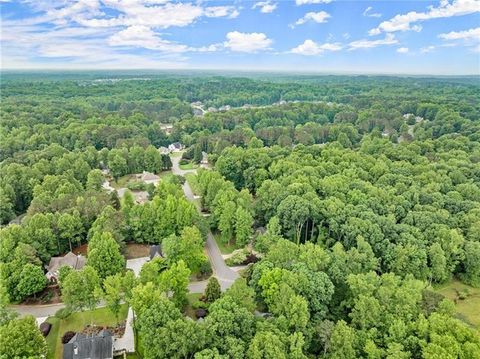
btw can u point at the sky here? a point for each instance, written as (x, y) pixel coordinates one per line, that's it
(325, 36)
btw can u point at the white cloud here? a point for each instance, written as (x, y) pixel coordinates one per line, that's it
(404, 22)
(221, 11)
(155, 14)
(311, 48)
(247, 42)
(307, 2)
(402, 50)
(367, 44)
(368, 13)
(143, 36)
(265, 7)
(318, 17)
(472, 34)
(427, 49)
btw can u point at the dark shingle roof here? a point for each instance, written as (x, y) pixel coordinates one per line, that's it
(156, 250)
(83, 346)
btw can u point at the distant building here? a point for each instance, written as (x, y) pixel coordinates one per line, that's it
(197, 112)
(167, 127)
(83, 346)
(148, 177)
(163, 150)
(70, 259)
(156, 251)
(175, 147)
(204, 160)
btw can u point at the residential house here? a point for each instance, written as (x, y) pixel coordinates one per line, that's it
(84, 346)
(156, 251)
(69, 259)
(149, 177)
(167, 127)
(163, 150)
(175, 147)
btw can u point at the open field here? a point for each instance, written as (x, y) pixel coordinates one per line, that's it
(76, 322)
(468, 309)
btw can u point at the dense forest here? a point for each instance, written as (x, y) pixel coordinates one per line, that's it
(354, 196)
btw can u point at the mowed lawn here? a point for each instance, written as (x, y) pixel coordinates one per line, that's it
(75, 323)
(468, 309)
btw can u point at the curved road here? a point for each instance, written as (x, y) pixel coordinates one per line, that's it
(225, 275)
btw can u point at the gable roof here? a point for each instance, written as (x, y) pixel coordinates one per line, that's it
(148, 176)
(83, 346)
(156, 251)
(69, 259)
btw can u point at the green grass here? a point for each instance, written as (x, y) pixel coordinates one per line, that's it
(193, 182)
(176, 154)
(122, 181)
(76, 322)
(188, 166)
(468, 309)
(225, 248)
(165, 175)
(192, 298)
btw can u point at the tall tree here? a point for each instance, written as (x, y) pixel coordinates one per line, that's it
(104, 255)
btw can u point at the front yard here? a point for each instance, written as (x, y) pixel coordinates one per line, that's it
(75, 323)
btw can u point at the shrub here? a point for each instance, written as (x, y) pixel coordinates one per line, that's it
(63, 313)
(213, 291)
(199, 304)
(238, 257)
(205, 269)
(136, 186)
(67, 336)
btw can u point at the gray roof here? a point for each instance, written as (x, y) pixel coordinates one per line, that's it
(156, 251)
(83, 346)
(70, 259)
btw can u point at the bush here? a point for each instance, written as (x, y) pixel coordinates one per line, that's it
(45, 328)
(67, 336)
(200, 313)
(137, 186)
(238, 257)
(205, 269)
(213, 290)
(199, 304)
(63, 313)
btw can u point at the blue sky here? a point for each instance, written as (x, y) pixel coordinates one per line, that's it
(330, 36)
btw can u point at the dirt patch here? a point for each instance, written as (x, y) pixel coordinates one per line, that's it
(135, 250)
(81, 250)
(50, 295)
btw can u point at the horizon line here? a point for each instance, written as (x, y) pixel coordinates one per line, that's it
(273, 71)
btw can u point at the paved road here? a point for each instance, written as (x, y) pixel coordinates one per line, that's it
(225, 275)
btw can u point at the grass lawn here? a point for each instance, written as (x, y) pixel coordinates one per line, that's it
(165, 175)
(468, 309)
(188, 166)
(192, 298)
(76, 322)
(122, 181)
(225, 248)
(193, 182)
